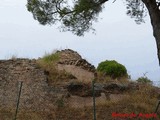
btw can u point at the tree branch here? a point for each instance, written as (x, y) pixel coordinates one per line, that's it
(102, 1)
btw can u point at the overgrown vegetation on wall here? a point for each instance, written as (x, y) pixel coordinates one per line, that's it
(71, 101)
(49, 63)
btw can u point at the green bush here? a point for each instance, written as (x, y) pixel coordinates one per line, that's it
(112, 68)
(144, 80)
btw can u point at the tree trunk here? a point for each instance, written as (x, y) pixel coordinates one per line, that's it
(154, 13)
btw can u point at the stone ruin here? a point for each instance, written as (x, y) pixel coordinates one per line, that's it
(73, 63)
(70, 57)
(37, 94)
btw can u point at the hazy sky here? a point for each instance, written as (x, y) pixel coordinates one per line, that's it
(117, 38)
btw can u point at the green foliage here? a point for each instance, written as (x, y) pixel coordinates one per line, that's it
(78, 16)
(144, 80)
(112, 68)
(50, 58)
(48, 63)
(136, 10)
(50, 66)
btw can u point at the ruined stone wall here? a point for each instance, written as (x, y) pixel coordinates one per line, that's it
(70, 57)
(36, 94)
(72, 62)
(80, 73)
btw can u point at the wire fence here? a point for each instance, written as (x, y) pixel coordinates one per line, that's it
(95, 105)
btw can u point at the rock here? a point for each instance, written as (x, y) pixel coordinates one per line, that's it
(99, 87)
(82, 90)
(115, 88)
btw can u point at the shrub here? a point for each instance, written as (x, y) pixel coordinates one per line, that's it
(144, 80)
(112, 68)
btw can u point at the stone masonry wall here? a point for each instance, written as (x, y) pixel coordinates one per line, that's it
(70, 57)
(73, 63)
(36, 94)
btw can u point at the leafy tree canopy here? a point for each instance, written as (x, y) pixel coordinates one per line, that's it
(78, 16)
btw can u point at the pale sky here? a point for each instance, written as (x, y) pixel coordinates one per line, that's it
(117, 37)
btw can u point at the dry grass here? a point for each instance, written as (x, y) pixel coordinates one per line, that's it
(102, 78)
(135, 103)
(140, 101)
